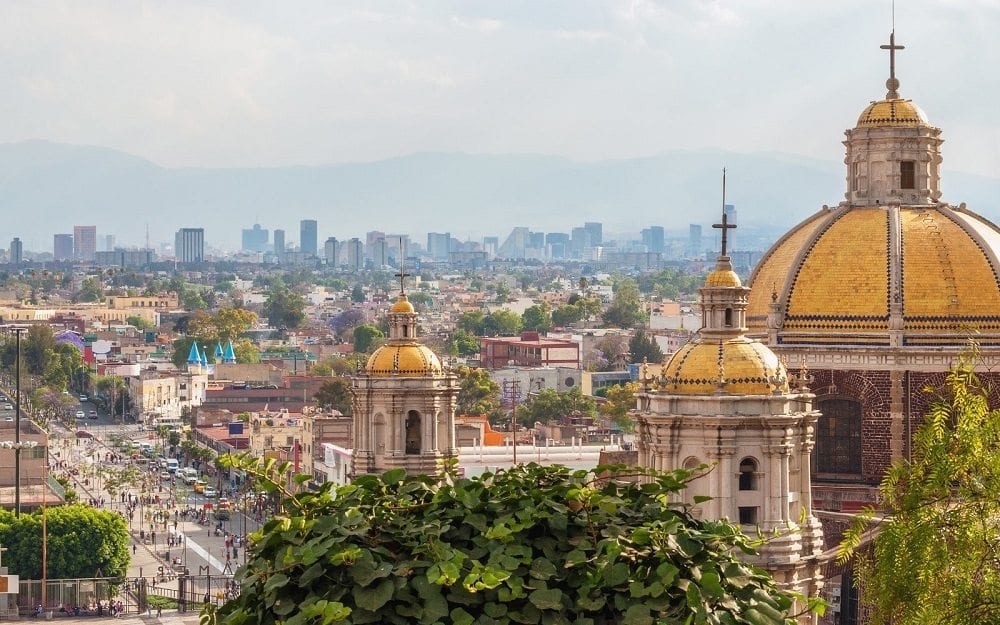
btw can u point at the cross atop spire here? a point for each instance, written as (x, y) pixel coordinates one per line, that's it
(402, 275)
(725, 225)
(892, 84)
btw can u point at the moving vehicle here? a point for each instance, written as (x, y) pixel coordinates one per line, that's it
(189, 475)
(211, 492)
(222, 512)
(172, 465)
(199, 486)
(84, 398)
(92, 414)
(79, 414)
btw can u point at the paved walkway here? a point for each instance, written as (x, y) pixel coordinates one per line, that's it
(170, 617)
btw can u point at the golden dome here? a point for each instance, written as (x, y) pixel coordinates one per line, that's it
(838, 275)
(723, 277)
(403, 359)
(744, 366)
(402, 305)
(892, 113)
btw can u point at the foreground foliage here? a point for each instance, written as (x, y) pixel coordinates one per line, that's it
(934, 558)
(528, 545)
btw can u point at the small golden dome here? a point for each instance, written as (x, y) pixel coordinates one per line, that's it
(723, 277)
(892, 113)
(402, 305)
(403, 359)
(736, 366)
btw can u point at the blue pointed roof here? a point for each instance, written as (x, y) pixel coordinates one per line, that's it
(218, 350)
(230, 355)
(204, 357)
(193, 356)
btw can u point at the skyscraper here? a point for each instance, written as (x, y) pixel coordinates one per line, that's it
(108, 241)
(355, 254)
(16, 251)
(596, 231)
(189, 245)
(380, 253)
(439, 245)
(279, 245)
(84, 242)
(652, 238)
(255, 239)
(694, 241)
(62, 247)
(307, 237)
(331, 252)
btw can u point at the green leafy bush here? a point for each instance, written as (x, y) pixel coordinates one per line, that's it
(527, 545)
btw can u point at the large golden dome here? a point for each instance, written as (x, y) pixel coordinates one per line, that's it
(734, 366)
(850, 276)
(407, 360)
(894, 112)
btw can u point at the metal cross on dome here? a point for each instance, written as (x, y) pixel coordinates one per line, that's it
(892, 84)
(725, 225)
(402, 275)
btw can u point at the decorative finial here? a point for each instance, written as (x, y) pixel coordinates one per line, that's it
(724, 225)
(402, 274)
(892, 84)
(803, 379)
(774, 293)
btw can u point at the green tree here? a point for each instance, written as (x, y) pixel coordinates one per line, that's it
(365, 337)
(246, 352)
(335, 394)
(91, 290)
(472, 321)
(644, 347)
(477, 393)
(529, 544)
(138, 323)
(38, 348)
(620, 400)
(420, 300)
(549, 405)
(537, 318)
(284, 308)
(82, 542)
(463, 343)
(357, 294)
(502, 323)
(567, 315)
(933, 559)
(626, 306)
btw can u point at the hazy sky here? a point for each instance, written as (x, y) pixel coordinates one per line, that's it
(308, 82)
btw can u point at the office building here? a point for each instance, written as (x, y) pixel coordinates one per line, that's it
(62, 247)
(16, 252)
(355, 254)
(84, 242)
(189, 245)
(558, 244)
(652, 238)
(331, 252)
(255, 239)
(307, 237)
(380, 253)
(580, 239)
(108, 242)
(694, 241)
(279, 245)
(596, 231)
(439, 245)
(370, 239)
(491, 245)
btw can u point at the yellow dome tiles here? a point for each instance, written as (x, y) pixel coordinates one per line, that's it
(949, 284)
(738, 366)
(771, 272)
(843, 282)
(402, 305)
(892, 113)
(407, 360)
(723, 278)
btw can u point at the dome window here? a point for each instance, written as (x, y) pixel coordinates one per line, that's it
(907, 175)
(748, 474)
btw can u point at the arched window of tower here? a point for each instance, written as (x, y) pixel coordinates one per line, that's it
(748, 474)
(413, 432)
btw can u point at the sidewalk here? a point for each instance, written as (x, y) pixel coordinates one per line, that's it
(170, 617)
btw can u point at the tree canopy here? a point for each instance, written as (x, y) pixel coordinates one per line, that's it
(642, 347)
(284, 308)
(620, 400)
(626, 306)
(366, 337)
(537, 318)
(549, 405)
(478, 394)
(335, 393)
(933, 559)
(82, 542)
(527, 545)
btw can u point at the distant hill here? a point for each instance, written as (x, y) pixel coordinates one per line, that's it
(48, 187)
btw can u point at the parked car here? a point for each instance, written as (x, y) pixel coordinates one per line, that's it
(92, 414)
(84, 398)
(79, 414)
(8, 407)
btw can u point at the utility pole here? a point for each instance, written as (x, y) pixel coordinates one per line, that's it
(17, 425)
(511, 393)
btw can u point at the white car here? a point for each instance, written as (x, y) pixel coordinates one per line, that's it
(210, 492)
(79, 414)
(8, 407)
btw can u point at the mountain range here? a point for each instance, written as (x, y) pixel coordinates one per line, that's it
(47, 188)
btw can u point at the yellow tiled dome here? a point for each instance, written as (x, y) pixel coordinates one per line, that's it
(402, 305)
(723, 277)
(736, 366)
(837, 274)
(892, 113)
(403, 359)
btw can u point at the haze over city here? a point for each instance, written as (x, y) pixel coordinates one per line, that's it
(232, 85)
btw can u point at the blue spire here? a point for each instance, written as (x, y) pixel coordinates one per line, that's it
(204, 357)
(218, 351)
(230, 355)
(193, 356)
